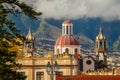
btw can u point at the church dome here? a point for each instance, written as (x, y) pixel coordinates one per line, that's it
(67, 22)
(67, 43)
(67, 40)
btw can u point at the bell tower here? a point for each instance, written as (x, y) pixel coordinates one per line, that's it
(29, 46)
(100, 48)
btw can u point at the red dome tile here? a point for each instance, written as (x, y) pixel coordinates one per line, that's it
(67, 40)
(67, 22)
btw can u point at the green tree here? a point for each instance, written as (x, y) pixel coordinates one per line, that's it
(8, 64)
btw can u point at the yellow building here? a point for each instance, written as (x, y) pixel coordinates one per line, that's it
(34, 67)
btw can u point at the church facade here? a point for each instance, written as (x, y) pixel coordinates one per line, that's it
(34, 67)
(66, 54)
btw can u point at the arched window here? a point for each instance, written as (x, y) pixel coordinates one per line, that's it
(96, 44)
(100, 44)
(67, 50)
(57, 51)
(104, 44)
(30, 45)
(66, 29)
(76, 51)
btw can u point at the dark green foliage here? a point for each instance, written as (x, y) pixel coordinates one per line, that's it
(8, 66)
(28, 10)
(8, 33)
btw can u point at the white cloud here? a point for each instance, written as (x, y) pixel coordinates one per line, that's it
(74, 9)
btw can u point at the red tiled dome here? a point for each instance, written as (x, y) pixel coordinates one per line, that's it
(67, 22)
(67, 40)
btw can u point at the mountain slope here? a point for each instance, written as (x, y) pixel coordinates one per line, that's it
(51, 29)
(86, 42)
(47, 31)
(23, 22)
(116, 45)
(90, 28)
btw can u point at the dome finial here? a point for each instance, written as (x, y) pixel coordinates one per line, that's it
(29, 32)
(100, 29)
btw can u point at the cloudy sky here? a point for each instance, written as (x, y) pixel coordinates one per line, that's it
(75, 9)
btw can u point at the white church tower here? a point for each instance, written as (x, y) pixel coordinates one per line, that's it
(100, 47)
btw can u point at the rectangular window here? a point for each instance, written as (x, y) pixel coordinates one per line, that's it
(39, 75)
(23, 73)
(59, 73)
(75, 50)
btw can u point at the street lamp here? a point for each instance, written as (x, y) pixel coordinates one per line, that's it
(52, 69)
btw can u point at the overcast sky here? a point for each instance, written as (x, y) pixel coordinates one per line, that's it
(75, 9)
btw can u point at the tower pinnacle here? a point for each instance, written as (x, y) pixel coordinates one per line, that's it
(29, 35)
